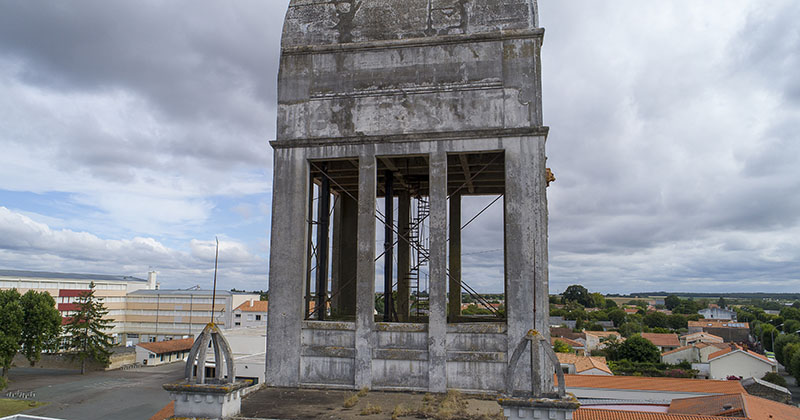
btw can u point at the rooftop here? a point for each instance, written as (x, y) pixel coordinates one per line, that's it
(743, 405)
(65, 276)
(663, 340)
(584, 363)
(253, 306)
(179, 292)
(731, 350)
(718, 323)
(599, 414)
(700, 386)
(567, 341)
(169, 346)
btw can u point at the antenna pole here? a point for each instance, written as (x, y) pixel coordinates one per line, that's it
(214, 292)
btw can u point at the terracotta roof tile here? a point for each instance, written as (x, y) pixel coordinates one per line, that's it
(700, 386)
(703, 334)
(571, 343)
(161, 347)
(599, 414)
(733, 349)
(602, 333)
(584, 363)
(712, 405)
(257, 306)
(677, 350)
(758, 408)
(663, 340)
(744, 405)
(718, 323)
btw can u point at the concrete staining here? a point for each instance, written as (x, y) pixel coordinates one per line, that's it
(446, 96)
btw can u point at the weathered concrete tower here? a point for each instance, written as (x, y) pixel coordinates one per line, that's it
(414, 103)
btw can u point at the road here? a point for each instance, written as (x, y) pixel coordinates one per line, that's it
(121, 395)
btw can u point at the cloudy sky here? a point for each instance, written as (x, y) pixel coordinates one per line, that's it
(132, 133)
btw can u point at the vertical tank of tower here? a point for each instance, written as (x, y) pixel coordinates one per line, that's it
(426, 100)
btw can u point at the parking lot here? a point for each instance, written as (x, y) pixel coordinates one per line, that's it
(134, 394)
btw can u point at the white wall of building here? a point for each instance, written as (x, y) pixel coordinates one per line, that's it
(740, 364)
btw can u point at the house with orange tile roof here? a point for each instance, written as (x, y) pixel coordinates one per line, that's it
(695, 353)
(699, 337)
(595, 339)
(601, 414)
(583, 365)
(576, 346)
(161, 352)
(646, 390)
(739, 362)
(251, 313)
(664, 342)
(730, 331)
(740, 405)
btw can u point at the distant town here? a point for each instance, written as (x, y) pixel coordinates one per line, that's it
(751, 340)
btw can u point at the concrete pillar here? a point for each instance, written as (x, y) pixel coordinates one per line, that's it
(527, 304)
(537, 160)
(437, 320)
(403, 256)
(365, 268)
(519, 254)
(287, 267)
(454, 257)
(345, 254)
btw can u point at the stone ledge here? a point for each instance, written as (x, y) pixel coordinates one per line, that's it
(184, 387)
(415, 42)
(409, 138)
(329, 351)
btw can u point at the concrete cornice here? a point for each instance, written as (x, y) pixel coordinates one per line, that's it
(415, 42)
(411, 137)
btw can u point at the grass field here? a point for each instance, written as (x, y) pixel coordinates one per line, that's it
(9, 407)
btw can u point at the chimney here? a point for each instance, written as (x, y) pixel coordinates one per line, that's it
(151, 280)
(251, 302)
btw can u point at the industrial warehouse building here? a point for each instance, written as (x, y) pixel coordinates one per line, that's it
(141, 311)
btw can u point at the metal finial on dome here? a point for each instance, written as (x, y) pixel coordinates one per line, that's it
(211, 335)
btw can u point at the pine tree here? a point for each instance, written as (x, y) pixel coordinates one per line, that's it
(85, 330)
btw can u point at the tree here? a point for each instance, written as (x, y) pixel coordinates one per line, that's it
(598, 300)
(767, 333)
(781, 342)
(610, 304)
(656, 320)
(672, 301)
(561, 347)
(775, 378)
(638, 349)
(795, 364)
(640, 303)
(790, 313)
(41, 324)
(630, 328)
(86, 330)
(577, 293)
(677, 321)
(721, 303)
(789, 352)
(11, 322)
(617, 316)
(790, 326)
